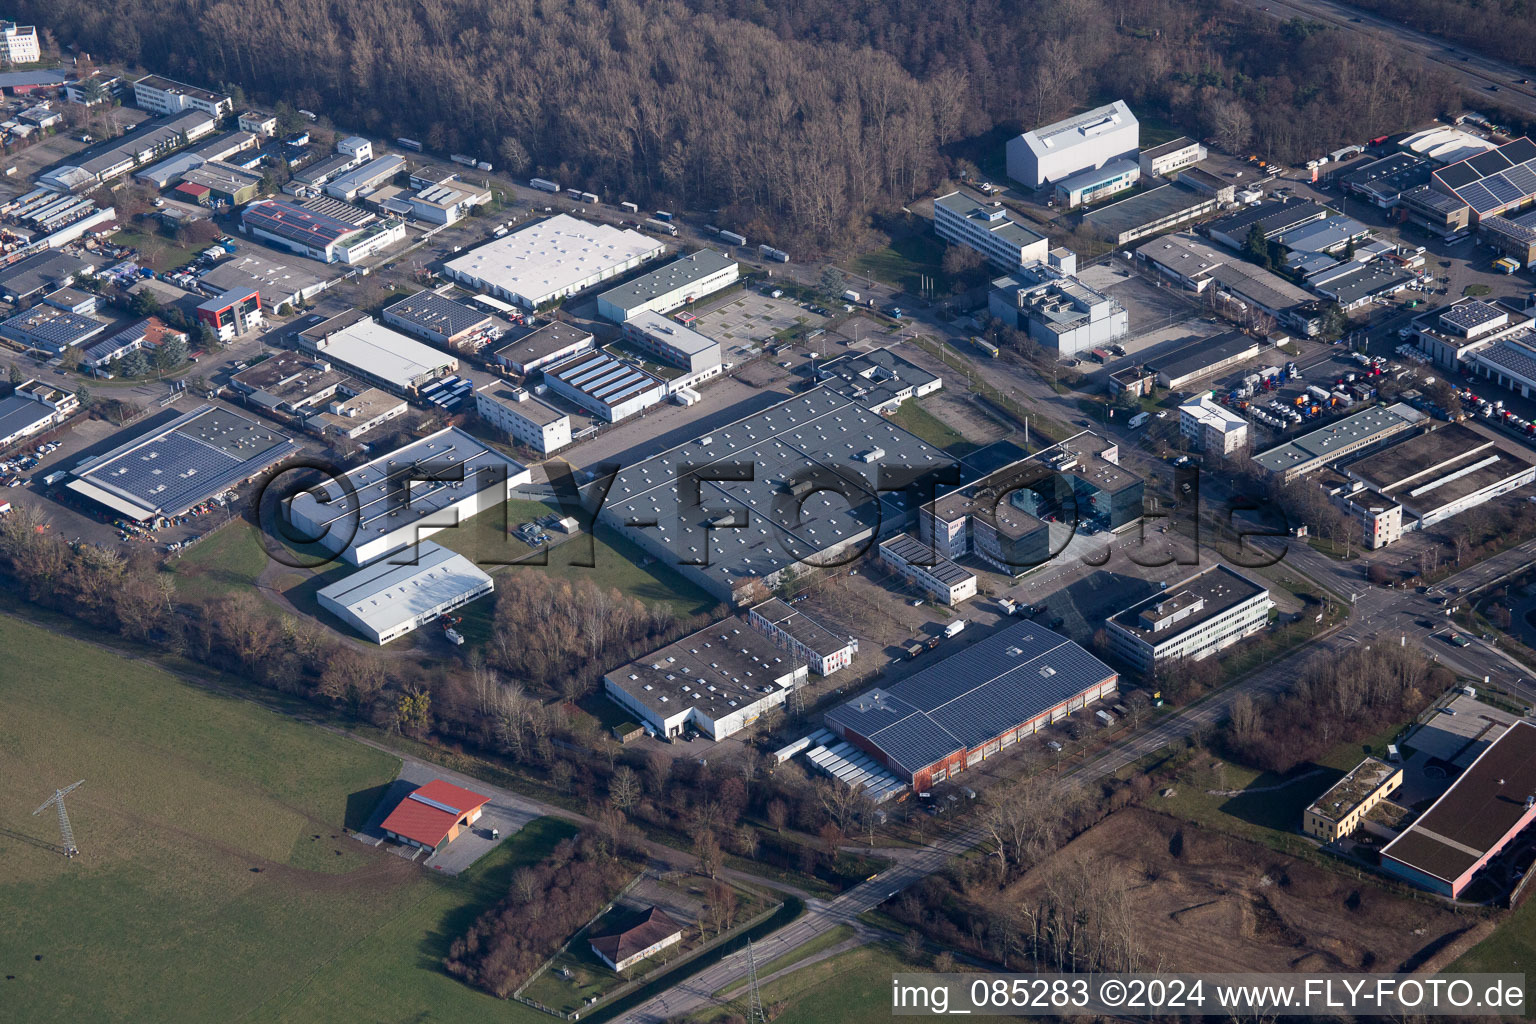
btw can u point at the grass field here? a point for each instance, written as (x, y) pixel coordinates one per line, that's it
(822, 942)
(228, 561)
(215, 881)
(851, 988)
(914, 418)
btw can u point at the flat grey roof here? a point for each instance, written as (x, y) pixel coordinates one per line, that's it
(716, 670)
(1013, 676)
(389, 592)
(1147, 207)
(1219, 588)
(18, 414)
(802, 627)
(678, 274)
(1197, 355)
(1427, 471)
(542, 342)
(914, 552)
(1345, 433)
(40, 271)
(872, 378)
(816, 436)
(387, 493)
(531, 408)
(1006, 228)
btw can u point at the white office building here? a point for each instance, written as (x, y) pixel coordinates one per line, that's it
(551, 259)
(20, 43)
(404, 496)
(670, 287)
(388, 599)
(1212, 427)
(671, 342)
(160, 95)
(1208, 612)
(1083, 142)
(527, 419)
(989, 230)
(1171, 157)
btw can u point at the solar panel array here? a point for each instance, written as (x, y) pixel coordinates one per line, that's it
(189, 461)
(973, 697)
(1494, 181)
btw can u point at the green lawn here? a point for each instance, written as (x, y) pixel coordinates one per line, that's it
(1511, 948)
(852, 988)
(215, 881)
(822, 942)
(228, 561)
(176, 254)
(914, 418)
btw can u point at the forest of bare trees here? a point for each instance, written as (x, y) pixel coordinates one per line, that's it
(797, 121)
(1499, 28)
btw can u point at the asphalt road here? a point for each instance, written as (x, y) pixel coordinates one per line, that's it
(1473, 71)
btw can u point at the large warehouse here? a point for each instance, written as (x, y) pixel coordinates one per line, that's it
(718, 681)
(765, 500)
(1494, 183)
(670, 287)
(183, 463)
(390, 503)
(955, 713)
(1485, 808)
(391, 597)
(317, 235)
(1311, 451)
(1440, 473)
(611, 388)
(1208, 612)
(1082, 142)
(551, 259)
(366, 348)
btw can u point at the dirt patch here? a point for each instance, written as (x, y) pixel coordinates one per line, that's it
(1186, 887)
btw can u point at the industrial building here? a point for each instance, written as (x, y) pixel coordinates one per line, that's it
(1441, 472)
(990, 230)
(551, 259)
(671, 342)
(1184, 258)
(431, 816)
(112, 158)
(318, 235)
(1313, 450)
(1513, 236)
(716, 681)
(1433, 210)
(1083, 142)
(365, 348)
(33, 407)
(609, 388)
(437, 318)
(404, 496)
(825, 651)
(32, 276)
(280, 284)
(1450, 335)
(1382, 182)
(1211, 427)
(170, 468)
(378, 171)
(880, 380)
(1487, 806)
(1202, 358)
(49, 329)
(352, 416)
(1059, 313)
(670, 287)
(160, 95)
(1195, 619)
(1152, 212)
(224, 183)
(762, 506)
(1359, 284)
(1492, 184)
(446, 202)
(392, 597)
(292, 382)
(527, 419)
(936, 576)
(543, 346)
(1171, 157)
(1273, 217)
(954, 714)
(1096, 184)
(150, 332)
(1343, 808)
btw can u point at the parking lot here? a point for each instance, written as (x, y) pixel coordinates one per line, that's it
(746, 319)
